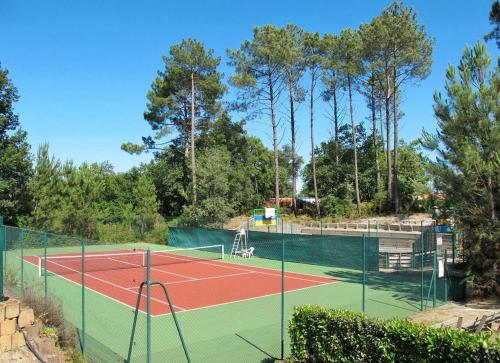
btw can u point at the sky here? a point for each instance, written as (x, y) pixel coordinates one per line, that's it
(83, 68)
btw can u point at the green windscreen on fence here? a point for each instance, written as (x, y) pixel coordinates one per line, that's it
(335, 251)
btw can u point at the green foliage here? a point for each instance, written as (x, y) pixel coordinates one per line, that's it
(466, 169)
(216, 203)
(323, 335)
(495, 21)
(146, 205)
(15, 160)
(92, 201)
(169, 99)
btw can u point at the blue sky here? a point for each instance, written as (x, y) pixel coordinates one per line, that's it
(83, 68)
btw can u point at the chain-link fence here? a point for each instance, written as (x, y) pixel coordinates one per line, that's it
(215, 295)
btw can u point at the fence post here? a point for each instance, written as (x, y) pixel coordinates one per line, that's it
(3, 235)
(422, 266)
(445, 276)
(387, 260)
(282, 294)
(45, 242)
(148, 305)
(435, 273)
(83, 298)
(364, 271)
(22, 261)
(453, 246)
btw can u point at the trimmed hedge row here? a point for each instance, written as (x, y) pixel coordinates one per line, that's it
(323, 335)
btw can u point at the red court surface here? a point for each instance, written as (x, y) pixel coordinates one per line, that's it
(193, 283)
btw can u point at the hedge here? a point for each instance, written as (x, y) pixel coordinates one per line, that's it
(324, 335)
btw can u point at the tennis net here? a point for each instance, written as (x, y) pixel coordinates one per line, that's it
(125, 259)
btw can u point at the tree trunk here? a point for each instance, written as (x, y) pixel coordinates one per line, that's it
(381, 120)
(336, 122)
(491, 198)
(387, 138)
(292, 125)
(374, 134)
(193, 159)
(353, 125)
(313, 156)
(395, 117)
(275, 143)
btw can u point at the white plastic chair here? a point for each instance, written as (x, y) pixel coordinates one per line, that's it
(248, 252)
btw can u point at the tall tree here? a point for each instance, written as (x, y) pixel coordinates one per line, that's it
(293, 68)
(184, 97)
(370, 86)
(146, 202)
(351, 69)
(466, 170)
(15, 161)
(495, 21)
(410, 60)
(330, 77)
(46, 188)
(258, 75)
(313, 61)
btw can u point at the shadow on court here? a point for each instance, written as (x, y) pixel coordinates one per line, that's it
(269, 358)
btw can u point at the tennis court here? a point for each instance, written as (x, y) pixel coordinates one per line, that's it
(227, 307)
(196, 277)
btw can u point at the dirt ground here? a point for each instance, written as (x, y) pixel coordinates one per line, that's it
(471, 310)
(17, 356)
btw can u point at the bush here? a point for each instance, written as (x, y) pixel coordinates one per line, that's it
(323, 335)
(50, 313)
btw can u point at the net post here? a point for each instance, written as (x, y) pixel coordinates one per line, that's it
(387, 260)
(148, 305)
(282, 342)
(45, 242)
(3, 235)
(421, 266)
(83, 298)
(222, 252)
(364, 272)
(22, 261)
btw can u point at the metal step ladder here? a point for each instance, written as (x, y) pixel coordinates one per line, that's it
(239, 243)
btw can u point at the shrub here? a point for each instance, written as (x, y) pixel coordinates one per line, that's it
(50, 313)
(323, 335)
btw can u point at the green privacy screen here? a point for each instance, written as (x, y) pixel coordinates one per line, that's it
(334, 251)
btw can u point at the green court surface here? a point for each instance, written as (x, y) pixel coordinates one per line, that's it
(245, 331)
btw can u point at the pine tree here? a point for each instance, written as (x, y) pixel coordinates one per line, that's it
(468, 163)
(146, 203)
(258, 75)
(46, 188)
(15, 161)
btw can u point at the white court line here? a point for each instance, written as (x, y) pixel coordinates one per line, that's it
(152, 269)
(112, 284)
(278, 273)
(201, 279)
(95, 291)
(249, 299)
(223, 265)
